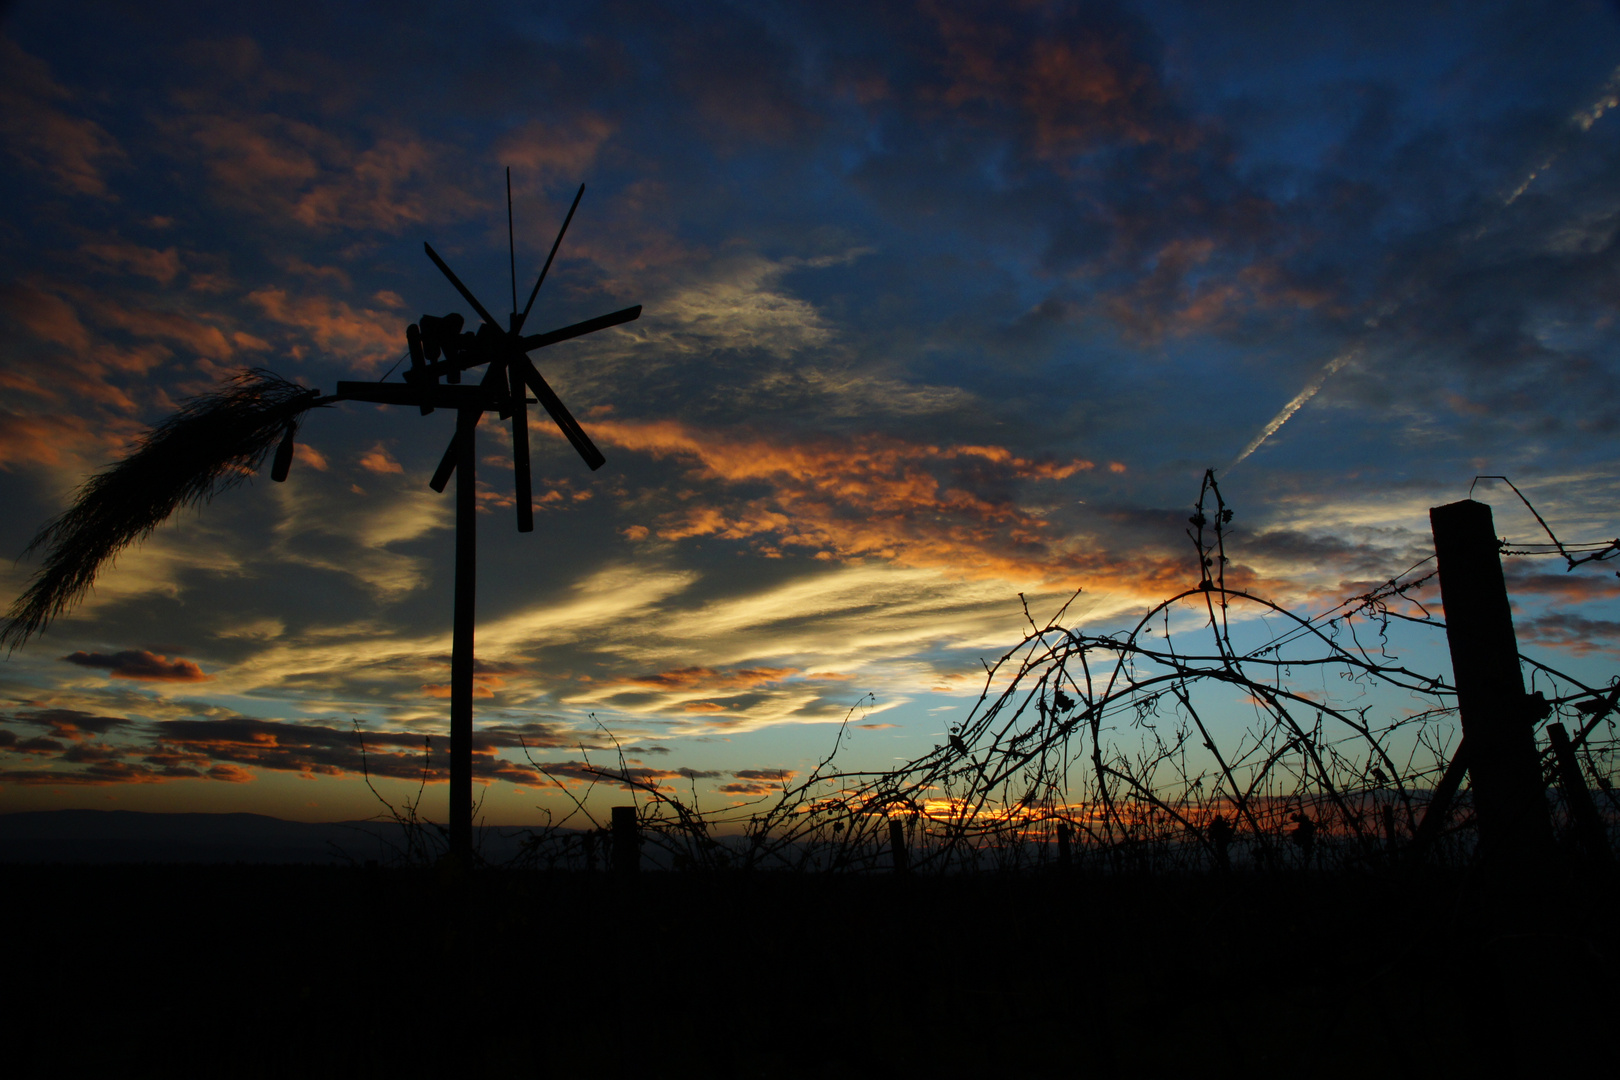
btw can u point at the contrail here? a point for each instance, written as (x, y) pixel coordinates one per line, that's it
(1582, 119)
(1294, 406)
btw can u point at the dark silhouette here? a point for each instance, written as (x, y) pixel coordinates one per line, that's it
(1496, 714)
(212, 443)
(219, 439)
(1304, 836)
(626, 841)
(1220, 839)
(439, 348)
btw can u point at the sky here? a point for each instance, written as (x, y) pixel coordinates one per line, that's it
(945, 305)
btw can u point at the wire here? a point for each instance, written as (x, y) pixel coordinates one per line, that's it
(398, 362)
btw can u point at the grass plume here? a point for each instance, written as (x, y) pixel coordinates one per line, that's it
(212, 443)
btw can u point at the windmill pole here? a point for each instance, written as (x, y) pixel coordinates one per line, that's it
(507, 380)
(461, 645)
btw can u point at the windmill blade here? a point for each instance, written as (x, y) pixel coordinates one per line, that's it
(518, 326)
(559, 413)
(524, 491)
(579, 329)
(284, 455)
(511, 244)
(462, 289)
(467, 416)
(466, 424)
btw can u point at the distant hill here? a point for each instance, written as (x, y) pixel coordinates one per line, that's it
(131, 836)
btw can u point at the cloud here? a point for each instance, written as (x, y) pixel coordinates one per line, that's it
(916, 504)
(755, 782)
(379, 460)
(709, 680)
(543, 152)
(140, 664)
(198, 334)
(227, 749)
(161, 266)
(368, 337)
(100, 774)
(71, 724)
(327, 528)
(739, 307)
(1565, 630)
(39, 131)
(48, 439)
(777, 775)
(45, 315)
(318, 175)
(576, 773)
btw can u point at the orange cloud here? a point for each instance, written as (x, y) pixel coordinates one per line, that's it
(1073, 90)
(915, 503)
(758, 781)
(311, 457)
(203, 338)
(42, 439)
(362, 335)
(141, 664)
(230, 774)
(540, 152)
(711, 680)
(161, 266)
(290, 169)
(46, 316)
(442, 690)
(378, 460)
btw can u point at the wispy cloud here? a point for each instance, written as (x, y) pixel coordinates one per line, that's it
(140, 664)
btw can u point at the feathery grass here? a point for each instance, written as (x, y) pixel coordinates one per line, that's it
(214, 442)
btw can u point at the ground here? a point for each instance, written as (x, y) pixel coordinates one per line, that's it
(325, 971)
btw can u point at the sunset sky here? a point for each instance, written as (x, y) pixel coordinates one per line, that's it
(943, 303)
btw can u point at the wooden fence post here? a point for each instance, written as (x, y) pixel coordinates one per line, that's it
(1065, 857)
(626, 840)
(1589, 831)
(897, 846)
(1510, 800)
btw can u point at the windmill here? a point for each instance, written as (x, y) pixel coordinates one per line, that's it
(215, 440)
(439, 347)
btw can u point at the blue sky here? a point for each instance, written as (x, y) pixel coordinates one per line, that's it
(944, 303)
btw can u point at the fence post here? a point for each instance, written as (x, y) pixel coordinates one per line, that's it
(1437, 815)
(626, 840)
(897, 846)
(1589, 829)
(1510, 800)
(1065, 857)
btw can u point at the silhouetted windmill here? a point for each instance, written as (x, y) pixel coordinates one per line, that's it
(440, 348)
(215, 440)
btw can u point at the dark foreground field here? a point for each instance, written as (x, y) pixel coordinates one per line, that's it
(320, 971)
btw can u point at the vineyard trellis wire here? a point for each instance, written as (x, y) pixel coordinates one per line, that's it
(1122, 752)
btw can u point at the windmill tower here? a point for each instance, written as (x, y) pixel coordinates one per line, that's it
(214, 441)
(440, 349)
